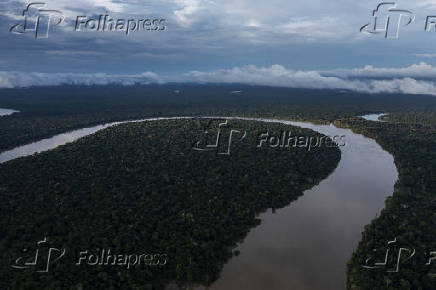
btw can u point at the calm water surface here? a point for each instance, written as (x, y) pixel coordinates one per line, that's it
(307, 244)
(61, 139)
(374, 117)
(5, 112)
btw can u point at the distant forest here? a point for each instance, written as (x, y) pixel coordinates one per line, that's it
(46, 111)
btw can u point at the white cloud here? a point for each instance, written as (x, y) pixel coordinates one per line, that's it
(395, 80)
(276, 75)
(279, 76)
(421, 70)
(187, 11)
(425, 55)
(405, 85)
(299, 18)
(73, 52)
(426, 3)
(20, 79)
(4, 83)
(273, 20)
(325, 27)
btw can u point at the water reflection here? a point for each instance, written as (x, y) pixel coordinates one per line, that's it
(5, 112)
(61, 139)
(307, 244)
(374, 117)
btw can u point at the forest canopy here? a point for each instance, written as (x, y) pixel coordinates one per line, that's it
(141, 188)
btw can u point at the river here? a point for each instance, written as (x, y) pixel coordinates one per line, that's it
(6, 112)
(307, 244)
(374, 117)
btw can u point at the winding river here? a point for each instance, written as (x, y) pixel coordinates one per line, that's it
(307, 244)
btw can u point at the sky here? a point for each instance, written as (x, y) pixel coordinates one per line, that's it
(299, 43)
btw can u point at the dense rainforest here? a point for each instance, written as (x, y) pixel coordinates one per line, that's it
(46, 111)
(142, 188)
(409, 219)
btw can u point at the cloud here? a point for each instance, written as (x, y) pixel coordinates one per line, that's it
(406, 86)
(420, 71)
(425, 55)
(73, 52)
(317, 28)
(274, 31)
(188, 9)
(273, 19)
(20, 79)
(279, 76)
(274, 76)
(425, 3)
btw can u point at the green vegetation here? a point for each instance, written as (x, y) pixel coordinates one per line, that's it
(409, 216)
(141, 188)
(93, 174)
(47, 111)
